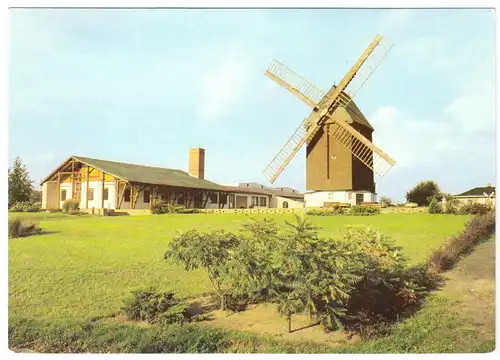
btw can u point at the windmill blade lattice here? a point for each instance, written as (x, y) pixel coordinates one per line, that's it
(363, 149)
(295, 83)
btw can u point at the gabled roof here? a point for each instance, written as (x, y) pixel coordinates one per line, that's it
(145, 174)
(264, 191)
(478, 191)
(355, 115)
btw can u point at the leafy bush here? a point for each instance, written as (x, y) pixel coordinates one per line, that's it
(335, 210)
(148, 305)
(474, 209)
(338, 282)
(435, 207)
(359, 210)
(17, 229)
(26, 206)
(423, 193)
(70, 206)
(385, 201)
(210, 251)
(478, 229)
(163, 207)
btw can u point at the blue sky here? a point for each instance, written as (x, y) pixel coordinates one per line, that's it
(144, 86)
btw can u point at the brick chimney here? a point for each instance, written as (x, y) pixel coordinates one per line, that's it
(197, 163)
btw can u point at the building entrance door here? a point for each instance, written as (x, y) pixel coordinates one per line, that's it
(359, 199)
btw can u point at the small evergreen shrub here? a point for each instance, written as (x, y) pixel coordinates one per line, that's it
(435, 207)
(17, 229)
(70, 206)
(359, 210)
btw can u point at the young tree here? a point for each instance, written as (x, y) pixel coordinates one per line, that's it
(423, 193)
(20, 185)
(451, 204)
(435, 207)
(209, 251)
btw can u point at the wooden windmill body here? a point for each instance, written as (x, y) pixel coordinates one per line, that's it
(341, 159)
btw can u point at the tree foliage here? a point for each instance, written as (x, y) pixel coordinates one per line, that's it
(209, 251)
(296, 268)
(423, 193)
(20, 185)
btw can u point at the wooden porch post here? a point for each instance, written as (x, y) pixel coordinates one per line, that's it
(87, 189)
(102, 191)
(58, 190)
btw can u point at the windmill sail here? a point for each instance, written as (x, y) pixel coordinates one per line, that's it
(362, 148)
(337, 96)
(295, 83)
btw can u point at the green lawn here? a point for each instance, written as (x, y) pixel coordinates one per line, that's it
(85, 266)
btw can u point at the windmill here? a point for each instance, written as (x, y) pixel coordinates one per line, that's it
(341, 157)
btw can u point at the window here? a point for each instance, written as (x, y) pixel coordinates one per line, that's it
(90, 194)
(255, 201)
(180, 199)
(63, 194)
(223, 198)
(349, 196)
(213, 198)
(147, 195)
(285, 204)
(330, 196)
(126, 196)
(105, 194)
(263, 201)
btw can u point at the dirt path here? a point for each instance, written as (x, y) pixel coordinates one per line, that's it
(472, 283)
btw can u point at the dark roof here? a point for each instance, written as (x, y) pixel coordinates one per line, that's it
(147, 174)
(357, 116)
(168, 177)
(261, 191)
(352, 110)
(478, 191)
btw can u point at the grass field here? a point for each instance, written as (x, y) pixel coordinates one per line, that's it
(85, 267)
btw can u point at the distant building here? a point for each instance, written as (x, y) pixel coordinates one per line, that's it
(482, 195)
(103, 184)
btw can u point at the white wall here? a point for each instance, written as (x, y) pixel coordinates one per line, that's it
(292, 204)
(96, 185)
(475, 199)
(318, 198)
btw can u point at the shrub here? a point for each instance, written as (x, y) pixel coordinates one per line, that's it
(335, 210)
(163, 207)
(435, 207)
(210, 251)
(163, 307)
(385, 201)
(26, 206)
(478, 229)
(17, 229)
(359, 210)
(474, 209)
(70, 206)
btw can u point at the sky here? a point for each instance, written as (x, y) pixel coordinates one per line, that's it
(145, 85)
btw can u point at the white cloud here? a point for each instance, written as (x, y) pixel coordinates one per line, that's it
(222, 87)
